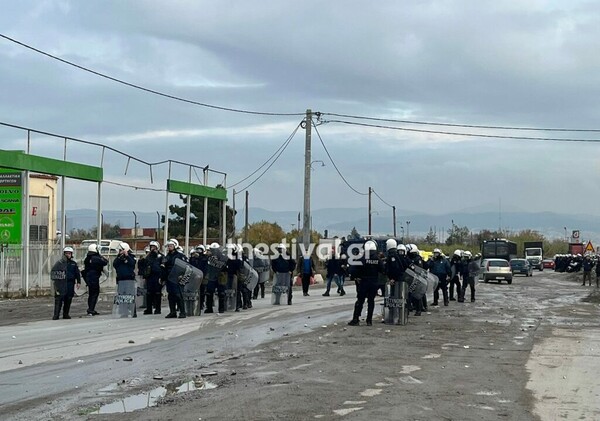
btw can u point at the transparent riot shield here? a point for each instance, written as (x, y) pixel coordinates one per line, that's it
(281, 287)
(432, 282)
(191, 293)
(417, 282)
(395, 309)
(124, 301)
(231, 293)
(250, 276)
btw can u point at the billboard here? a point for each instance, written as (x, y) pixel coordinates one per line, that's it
(11, 193)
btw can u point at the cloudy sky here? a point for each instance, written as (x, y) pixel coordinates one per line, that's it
(509, 63)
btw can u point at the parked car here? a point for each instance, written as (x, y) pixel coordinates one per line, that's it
(548, 263)
(521, 267)
(495, 269)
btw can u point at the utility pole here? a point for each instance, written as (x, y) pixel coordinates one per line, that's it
(370, 213)
(394, 219)
(246, 220)
(307, 158)
(234, 211)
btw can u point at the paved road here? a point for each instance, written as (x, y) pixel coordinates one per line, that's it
(524, 351)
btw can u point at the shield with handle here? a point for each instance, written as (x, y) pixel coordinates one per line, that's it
(124, 301)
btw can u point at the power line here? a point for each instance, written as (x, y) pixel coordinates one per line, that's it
(335, 166)
(475, 126)
(373, 190)
(269, 159)
(553, 139)
(141, 88)
(289, 140)
(132, 186)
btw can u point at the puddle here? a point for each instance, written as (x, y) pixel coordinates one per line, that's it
(148, 399)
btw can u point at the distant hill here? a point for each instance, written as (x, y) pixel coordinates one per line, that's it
(340, 221)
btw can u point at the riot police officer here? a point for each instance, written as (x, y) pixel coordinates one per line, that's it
(440, 267)
(215, 279)
(66, 276)
(283, 266)
(367, 273)
(93, 264)
(152, 273)
(174, 288)
(455, 267)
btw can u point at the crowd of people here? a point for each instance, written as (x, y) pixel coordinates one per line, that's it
(232, 277)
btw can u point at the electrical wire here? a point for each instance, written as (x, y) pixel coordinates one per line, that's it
(269, 159)
(275, 160)
(133, 187)
(373, 191)
(428, 123)
(553, 139)
(335, 166)
(141, 88)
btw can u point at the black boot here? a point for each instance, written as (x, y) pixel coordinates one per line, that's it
(326, 293)
(262, 290)
(67, 307)
(221, 303)
(172, 307)
(210, 298)
(57, 307)
(342, 292)
(149, 303)
(157, 302)
(353, 322)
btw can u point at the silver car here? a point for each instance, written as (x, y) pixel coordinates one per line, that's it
(495, 269)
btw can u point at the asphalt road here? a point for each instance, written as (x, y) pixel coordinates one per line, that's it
(525, 351)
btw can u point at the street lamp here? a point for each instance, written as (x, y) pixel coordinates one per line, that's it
(407, 230)
(566, 239)
(318, 160)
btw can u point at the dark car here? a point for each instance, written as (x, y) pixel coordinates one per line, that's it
(521, 267)
(548, 263)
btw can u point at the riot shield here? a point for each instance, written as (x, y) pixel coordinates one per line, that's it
(417, 282)
(281, 286)
(231, 292)
(262, 268)
(432, 282)
(124, 301)
(395, 308)
(191, 291)
(250, 276)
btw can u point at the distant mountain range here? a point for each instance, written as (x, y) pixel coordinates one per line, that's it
(340, 221)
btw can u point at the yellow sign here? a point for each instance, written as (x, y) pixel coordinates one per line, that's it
(589, 248)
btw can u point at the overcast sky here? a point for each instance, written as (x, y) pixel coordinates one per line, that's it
(503, 63)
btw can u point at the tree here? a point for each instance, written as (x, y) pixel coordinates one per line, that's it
(431, 237)
(108, 231)
(177, 224)
(458, 235)
(354, 235)
(265, 232)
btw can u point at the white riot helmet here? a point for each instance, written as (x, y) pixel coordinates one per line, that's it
(174, 241)
(93, 248)
(154, 244)
(170, 243)
(414, 248)
(68, 249)
(201, 248)
(401, 248)
(215, 246)
(458, 252)
(370, 246)
(437, 251)
(390, 244)
(124, 246)
(467, 254)
(147, 249)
